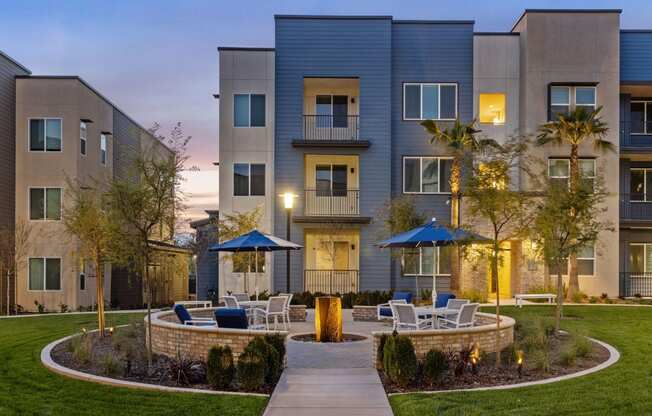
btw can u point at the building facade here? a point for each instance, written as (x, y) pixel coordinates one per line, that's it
(348, 96)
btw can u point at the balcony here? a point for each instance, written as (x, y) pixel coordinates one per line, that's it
(332, 206)
(635, 284)
(330, 281)
(331, 131)
(636, 137)
(636, 207)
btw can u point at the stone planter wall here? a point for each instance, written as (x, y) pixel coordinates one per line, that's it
(456, 339)
(298, 313)
(365, 313)
(170, 338)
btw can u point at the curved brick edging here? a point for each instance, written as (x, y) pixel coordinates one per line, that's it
(614, 356)
(48, 362)
(171, 338)
(442, 339)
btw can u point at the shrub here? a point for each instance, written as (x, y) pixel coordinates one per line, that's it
(39, 306)
(568, 356)
(272, 361)
(219, 367)
(435, 366)
(251, 370)
(184, 371)
(474, 296)
(278, 342)
(63, 308)
(534, 334)
(462, 360)
(593, 299)
(582, 346)
(379, 351)
(110, 364)
(540, 359)
(400, 360)
(81, 349)
(579, 296)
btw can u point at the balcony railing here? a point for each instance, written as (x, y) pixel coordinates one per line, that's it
(332, 202)
(636, 134)
(330, 281)
(637, 206)
(635, 284)
(330, 128)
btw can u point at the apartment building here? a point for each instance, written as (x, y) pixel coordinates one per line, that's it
(343, 98)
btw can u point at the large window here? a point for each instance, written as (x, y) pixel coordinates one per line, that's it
(641, 117)
(565, 98)
(248, 179)
(331, 180)
(44, 273)
(640, 257)
(420, 261)
(332, 110)
(45, 134)
(559, 171)
(45, 204)
(585, 263)
(423, 101)
(83, 134)
(426, 175)
(640, 183)
(249, 110)
(492, 108)
(103, 149)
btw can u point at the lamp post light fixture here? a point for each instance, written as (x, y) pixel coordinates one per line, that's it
(288, 203)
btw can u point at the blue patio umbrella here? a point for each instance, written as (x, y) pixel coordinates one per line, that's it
(255, 241)
(431, 234)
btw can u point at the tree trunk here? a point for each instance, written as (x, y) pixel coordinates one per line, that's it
(573, 280)
(148, 293)
(560, 299)
(494, 278)
(100, 295)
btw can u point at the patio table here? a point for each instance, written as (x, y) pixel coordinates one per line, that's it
(254, 304)
(426, 310)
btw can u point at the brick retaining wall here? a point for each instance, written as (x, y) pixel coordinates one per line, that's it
(365, 313)
(455, 339)
(170, 338)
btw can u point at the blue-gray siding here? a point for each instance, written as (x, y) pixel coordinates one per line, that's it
(636, 56)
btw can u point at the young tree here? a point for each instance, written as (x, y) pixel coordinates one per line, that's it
(491, 198)
(87, 219)
(565, 221)
(145, 206)
(14, 244)
(578, 127)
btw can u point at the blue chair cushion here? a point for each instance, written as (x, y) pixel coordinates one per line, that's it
(442, 299)
(234, 318)
(407, 296)
(182, 313)
(386, 311)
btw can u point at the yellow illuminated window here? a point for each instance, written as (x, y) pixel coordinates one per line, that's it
(492, 108)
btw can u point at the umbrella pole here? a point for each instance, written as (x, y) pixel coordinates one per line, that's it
(434, 277)
(256, 275)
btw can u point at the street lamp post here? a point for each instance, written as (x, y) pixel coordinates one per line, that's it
(288, 202)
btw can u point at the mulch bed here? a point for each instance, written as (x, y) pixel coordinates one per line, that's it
(488, 375)
(345, 338)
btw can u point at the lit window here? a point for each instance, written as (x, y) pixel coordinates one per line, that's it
(492, 108)
(45, 135)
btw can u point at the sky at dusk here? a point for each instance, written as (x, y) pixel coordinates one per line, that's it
(157, 59)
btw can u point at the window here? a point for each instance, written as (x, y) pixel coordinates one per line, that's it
(640, 182)
(44, 273)
(426, 175)
(45, 204)
(249, 110)
(559, 171)
(565, 98)
(83, 132)
(331, 180)
(82, 276)
(420, 261)
(246, 262)
(640, 257)
(492, 108)
(429, 101)
(641, 117)
(248, 179)
(332, 111)
(585, 263)
(103, 149)
(45, 134)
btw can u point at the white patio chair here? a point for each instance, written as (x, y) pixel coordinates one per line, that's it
(453, 307)
(407, 317)
(241, 297)
(464, 319)
(287, 307)
(394, 316)
(275, 309)
(231, 302)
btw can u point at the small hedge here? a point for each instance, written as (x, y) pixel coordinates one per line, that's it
(400, 360)
(435, 366)
(251, 370)
(278, 342)
(271, 358)
(219, 367)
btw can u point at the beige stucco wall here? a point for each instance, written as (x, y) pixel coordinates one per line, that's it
(71, 101)
(246, 72)
(576, 47)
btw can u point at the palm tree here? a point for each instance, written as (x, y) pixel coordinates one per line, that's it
(573, 129)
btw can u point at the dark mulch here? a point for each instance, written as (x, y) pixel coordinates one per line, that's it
(311, 338)
(488, 375)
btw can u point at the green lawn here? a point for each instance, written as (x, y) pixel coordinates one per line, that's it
(623, 389)
(27, 388)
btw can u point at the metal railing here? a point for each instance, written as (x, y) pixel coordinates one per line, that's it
(332, 202)
(636, 206)
(635, 284)
(330, 128)
(330, 281)
(636, 133)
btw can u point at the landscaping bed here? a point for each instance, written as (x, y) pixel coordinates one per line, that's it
(122, 355)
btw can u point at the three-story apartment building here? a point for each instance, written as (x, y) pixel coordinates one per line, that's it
(341, 99)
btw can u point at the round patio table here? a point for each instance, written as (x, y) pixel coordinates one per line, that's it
(254, 304)
(428, 310)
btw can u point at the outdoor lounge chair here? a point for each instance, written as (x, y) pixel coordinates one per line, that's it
(384, 311)
(287, 306)
(407, 318)
(187, 319)
(235, 318)
(453, 308)
(464, 319)
(275, 309)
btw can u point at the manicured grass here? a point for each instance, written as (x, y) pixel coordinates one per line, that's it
(624, 388)
(26, 387)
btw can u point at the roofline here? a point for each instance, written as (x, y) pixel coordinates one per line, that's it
(526, 11)
(15, 62)
(247, 49)
(496, 34)
(635, 30)
(96, 92)
(332, 17)
(434, 22)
